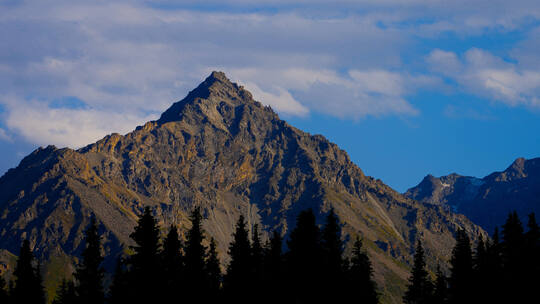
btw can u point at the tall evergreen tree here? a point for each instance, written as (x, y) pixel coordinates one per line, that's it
(304, 258)
(195, 255)
(482, 271)
(273, 269)
(213, 272)
(28, 286)
(360, 284)
(532, 257)
(119, 292)
(512, 248)
(172, 260)
(461, 266)
(239, 271)
(89, 273)
(257, 256)
(420, 288)
(332, 260)
(440, 294)
(145, 271)
(66, 293)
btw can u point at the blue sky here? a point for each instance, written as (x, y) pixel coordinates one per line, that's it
(407, 87)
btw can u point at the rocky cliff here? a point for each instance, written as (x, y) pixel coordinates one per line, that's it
(227, 153)
(486, 201)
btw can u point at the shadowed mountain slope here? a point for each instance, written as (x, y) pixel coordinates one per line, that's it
(227, 153)
(486, 201)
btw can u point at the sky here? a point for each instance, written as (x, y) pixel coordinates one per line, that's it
(406, 87)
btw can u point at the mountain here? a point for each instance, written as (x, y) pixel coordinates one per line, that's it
(221, 150)
(486, 201)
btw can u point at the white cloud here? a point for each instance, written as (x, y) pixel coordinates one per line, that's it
(125, 59)
(4, 135)
(484, 74)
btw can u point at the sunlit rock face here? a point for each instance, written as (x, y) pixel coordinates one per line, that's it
(229, 154)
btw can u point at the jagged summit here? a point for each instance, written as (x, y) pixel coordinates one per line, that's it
(222, 151)
(215, 90)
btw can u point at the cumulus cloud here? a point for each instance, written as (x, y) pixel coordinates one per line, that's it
(484, 74)
(127, 61)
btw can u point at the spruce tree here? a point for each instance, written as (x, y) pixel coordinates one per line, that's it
(119, 292)
(440, 293)
(420, 288)
(89, 273)
(66, 293)
(532, 257)
(239, 271)
(28, 287)
(332, 250)
(172, 260)
(213, 272)
(273, 270)
(144, 274)
(461, 266)
(195, 255)
(304, 259)
(360, 284)
(513, 247)
(482, 271)
(257, 256)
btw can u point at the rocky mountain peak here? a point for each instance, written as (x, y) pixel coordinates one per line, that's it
(215, 92)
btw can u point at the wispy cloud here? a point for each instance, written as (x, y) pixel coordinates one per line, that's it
(484, 74)
(128, 60)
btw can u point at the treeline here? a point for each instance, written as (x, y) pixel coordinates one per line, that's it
(505, 269)
(312, 270)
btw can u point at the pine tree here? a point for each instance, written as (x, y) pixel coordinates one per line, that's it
(195, 255)
(513, 247)
(440, 294)
(239, 271)
(89, 273)
(332, 250)
(304, 259)
(532, 257)
(461, 265)
(360, 284)
(257, 256)
(420, 287)
(482, 270)
(213, 272)
(145, 275)
(66, 293)
(273, 271)
(119, 292)
(172, 260)
(28, 286)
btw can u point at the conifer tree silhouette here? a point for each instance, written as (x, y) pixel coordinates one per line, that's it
(303, 259)
(195, 255)
(66, 293)
(257, 256)
(119, 292)
(420, 288)
(360, 284)
(461, 266)
(513, 247)
(440, 293)
(237, 281)
(172, 260)
(332, 261)
(145, 271)
(213, 273)
(89, 273)
(532, 257)
(273, 269)
(28, 285)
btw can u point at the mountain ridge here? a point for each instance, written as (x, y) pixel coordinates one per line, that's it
(221, 150)
(488, 200)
